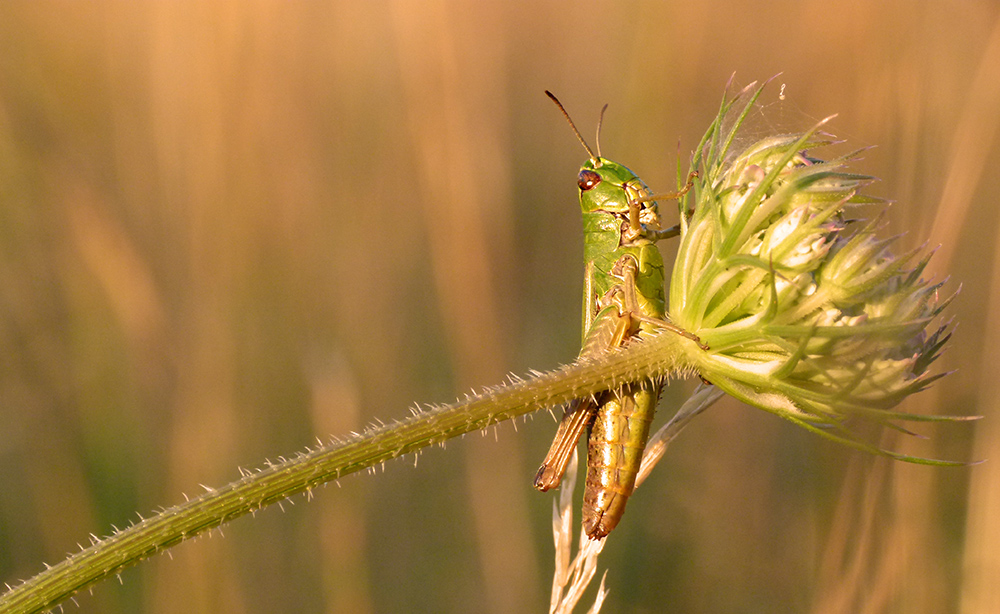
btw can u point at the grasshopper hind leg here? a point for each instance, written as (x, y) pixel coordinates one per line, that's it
(608, 330)
(627, 269)
(578, 415)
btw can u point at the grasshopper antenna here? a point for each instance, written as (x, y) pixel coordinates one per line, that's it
(593, 158)
(600, 122)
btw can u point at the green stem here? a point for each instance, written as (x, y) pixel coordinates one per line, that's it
(659, 356)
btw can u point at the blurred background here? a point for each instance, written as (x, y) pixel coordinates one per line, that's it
(229, 228)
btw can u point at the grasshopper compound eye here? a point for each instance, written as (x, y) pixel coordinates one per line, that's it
(587, 180)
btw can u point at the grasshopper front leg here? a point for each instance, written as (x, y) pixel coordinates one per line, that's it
(635, 228)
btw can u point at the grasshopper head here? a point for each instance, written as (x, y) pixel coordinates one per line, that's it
(609, 186)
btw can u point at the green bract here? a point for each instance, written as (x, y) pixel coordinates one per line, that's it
(808, 315)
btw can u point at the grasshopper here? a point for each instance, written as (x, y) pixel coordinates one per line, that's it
(623, 298)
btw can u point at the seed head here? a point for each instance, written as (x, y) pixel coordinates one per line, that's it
(808, 313)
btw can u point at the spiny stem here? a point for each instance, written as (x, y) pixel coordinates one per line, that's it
(659, 356)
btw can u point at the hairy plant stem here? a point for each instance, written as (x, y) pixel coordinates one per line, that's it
(658, 356)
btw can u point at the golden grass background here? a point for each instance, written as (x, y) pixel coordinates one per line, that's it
(229, 228)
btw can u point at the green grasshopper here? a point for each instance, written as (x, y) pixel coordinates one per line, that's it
(623, 298)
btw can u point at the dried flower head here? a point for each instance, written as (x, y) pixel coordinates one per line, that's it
(808, 314)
